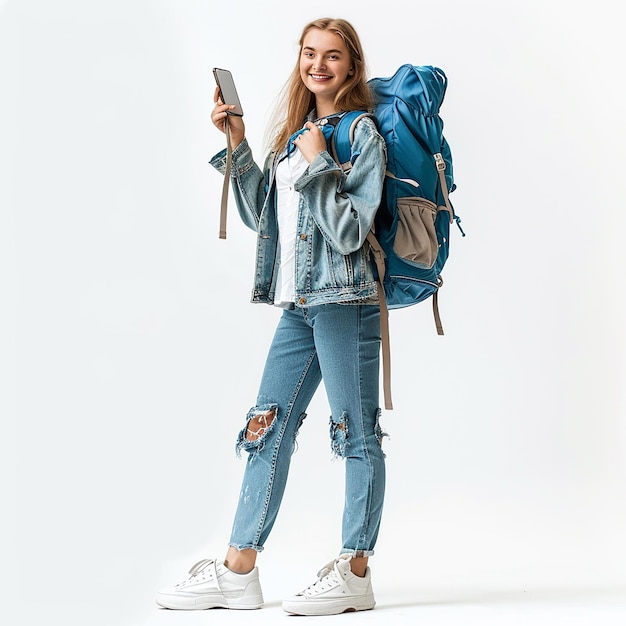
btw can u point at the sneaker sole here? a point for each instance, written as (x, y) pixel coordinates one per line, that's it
(327, 607)
(201, 604)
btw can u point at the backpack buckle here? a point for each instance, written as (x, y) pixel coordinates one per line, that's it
(439, 162)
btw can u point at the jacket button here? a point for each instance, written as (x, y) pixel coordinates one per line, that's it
(303, 236)
(302, 301)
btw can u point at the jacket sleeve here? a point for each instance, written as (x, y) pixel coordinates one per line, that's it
(248, 182)
(344, 207)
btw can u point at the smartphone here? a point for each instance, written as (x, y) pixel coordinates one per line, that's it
(228, 92)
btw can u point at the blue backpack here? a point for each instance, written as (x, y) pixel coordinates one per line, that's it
(410, 239)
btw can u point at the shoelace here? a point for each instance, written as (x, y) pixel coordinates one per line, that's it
(328, 578)
(199, 566)
(196, 570)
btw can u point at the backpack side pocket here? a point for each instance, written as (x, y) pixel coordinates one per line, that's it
(416, 237)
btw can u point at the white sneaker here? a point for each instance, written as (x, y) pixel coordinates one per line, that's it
(338, 590)
(212, 585)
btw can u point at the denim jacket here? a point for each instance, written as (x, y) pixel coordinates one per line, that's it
(335, 214)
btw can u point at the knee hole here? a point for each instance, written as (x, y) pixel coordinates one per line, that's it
(258, 425)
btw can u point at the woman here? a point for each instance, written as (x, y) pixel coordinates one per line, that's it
(312, 221)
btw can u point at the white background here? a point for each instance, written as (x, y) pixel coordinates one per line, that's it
(132, 353)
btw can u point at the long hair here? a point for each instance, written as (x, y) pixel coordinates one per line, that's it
(296, 100)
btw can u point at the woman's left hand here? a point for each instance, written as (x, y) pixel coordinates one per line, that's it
(311, 142)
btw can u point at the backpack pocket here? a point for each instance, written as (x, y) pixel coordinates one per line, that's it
(416, 237)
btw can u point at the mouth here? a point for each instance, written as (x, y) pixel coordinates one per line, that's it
(320, 77)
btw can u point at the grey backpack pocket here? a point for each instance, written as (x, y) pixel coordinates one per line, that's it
(416, 238)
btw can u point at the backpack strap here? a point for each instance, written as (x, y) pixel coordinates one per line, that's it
(224, 204)
(436, 315)
(343, 136)
(379, 259)
(441, 170)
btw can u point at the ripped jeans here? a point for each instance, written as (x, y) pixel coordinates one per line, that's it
(341, 344)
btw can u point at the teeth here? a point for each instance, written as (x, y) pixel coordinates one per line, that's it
(319, 76)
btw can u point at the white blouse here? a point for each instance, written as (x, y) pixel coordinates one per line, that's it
(288, 171)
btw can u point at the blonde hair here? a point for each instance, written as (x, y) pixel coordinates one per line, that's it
(298, 101)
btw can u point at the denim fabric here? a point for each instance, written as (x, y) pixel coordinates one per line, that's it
(336, 213)
(340, 343)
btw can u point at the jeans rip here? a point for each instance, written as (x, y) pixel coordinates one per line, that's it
(339, 435)
(259, 424)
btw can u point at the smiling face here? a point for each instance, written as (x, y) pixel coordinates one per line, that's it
(325, 65)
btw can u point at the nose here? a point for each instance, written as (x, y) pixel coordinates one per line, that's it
(318, 64)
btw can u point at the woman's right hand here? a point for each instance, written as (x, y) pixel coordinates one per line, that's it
(235, 122)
